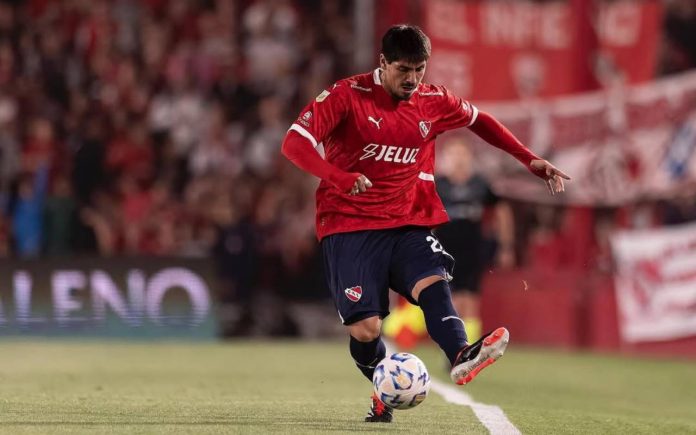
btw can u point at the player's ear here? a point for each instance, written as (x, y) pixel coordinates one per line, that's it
(382, 62)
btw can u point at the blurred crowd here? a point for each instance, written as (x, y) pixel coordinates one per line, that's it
(559, 237)
(152, 127)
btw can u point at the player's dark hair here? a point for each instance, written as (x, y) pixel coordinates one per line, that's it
(405, 42)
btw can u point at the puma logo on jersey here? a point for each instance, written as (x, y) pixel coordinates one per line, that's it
(371, 119)
(390, 153)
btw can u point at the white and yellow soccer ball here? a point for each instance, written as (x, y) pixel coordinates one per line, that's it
(401, 381)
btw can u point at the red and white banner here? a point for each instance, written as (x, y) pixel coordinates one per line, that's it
(656, 283)
(619, 145)
(503, 50)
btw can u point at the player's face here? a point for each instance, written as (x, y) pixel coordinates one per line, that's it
(401, 78)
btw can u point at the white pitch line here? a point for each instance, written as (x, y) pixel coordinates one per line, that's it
(491, 416)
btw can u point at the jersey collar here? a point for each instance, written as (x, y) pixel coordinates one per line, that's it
(375, 76)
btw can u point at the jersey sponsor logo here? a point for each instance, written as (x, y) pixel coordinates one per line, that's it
(361, 88)
(424, 127)
(321, 97)
(371, 119)
(390, 153)
(353, 293)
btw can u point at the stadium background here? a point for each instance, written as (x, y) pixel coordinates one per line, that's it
(143, 194)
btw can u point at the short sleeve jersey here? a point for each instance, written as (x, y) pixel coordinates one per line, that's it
(363, 129)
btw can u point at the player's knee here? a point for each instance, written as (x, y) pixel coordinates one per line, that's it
(366, 330)
(424, 283)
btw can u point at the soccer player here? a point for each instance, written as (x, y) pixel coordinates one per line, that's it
(377, 203)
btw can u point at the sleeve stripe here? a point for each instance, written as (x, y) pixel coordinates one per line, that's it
(425, 176)
(304, 133)
(473, 116)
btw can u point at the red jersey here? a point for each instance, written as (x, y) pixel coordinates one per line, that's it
(363, 129)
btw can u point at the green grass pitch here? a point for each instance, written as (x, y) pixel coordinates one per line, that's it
(299, 387)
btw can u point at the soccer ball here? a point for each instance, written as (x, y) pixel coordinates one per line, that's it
(401, 381)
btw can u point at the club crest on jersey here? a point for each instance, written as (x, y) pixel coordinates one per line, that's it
(321, 97)
(354, 293)
(424, 127)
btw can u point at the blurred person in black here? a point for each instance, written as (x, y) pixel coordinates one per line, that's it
(466, 194)
(59, 217)
(235, 252)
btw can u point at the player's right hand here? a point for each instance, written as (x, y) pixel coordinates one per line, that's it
(550, 174)
(361, 185)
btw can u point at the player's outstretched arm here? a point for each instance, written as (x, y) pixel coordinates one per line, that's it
(489, 129)
(301, 152)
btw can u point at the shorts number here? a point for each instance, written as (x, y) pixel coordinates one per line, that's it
(435, 245)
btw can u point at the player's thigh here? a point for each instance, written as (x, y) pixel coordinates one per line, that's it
(418, 254)
(356, 266)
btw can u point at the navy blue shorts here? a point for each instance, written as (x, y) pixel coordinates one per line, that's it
(362, 266)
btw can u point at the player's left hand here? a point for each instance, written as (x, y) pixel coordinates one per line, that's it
(361, 185)
(553, 176)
